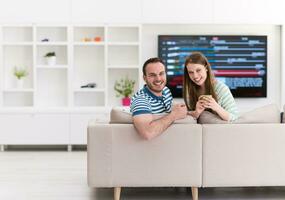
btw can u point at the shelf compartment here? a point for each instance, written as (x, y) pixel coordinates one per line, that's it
(89, 66)
(89, 34)
(17, 34)
(89, 99)
(123, 34)
(118, 74)
(20, 57)
(53, 34)
(51, 88)
(17, 99)
(123, 55)
(60, 51)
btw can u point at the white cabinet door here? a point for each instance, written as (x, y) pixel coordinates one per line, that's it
(34, 129)
(79, 124)
(16, 128)
(106, 11)
(34, 11)
(181, 11)
(51, 128)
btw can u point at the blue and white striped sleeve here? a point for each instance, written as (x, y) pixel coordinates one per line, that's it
(140, 105)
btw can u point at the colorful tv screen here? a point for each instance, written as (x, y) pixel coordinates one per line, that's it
(240, 61)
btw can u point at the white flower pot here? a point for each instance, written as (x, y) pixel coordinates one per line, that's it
(20, 83)
(51, 60)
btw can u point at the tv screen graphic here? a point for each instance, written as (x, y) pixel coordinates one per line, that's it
(239, 61)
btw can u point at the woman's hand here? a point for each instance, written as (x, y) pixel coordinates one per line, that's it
(211, 103)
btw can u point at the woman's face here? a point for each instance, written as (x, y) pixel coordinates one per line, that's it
(197, 73)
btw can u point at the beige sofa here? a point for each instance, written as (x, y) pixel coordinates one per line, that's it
(187, 155)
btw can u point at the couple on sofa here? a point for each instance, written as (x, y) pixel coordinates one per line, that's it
(201, 91)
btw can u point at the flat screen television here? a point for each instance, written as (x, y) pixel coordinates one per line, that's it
(240, 61)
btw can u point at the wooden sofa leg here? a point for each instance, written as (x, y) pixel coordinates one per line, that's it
(117, 193)
(194, 193)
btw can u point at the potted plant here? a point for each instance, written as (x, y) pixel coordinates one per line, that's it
(51, 58)
(125, 88)
(20, 73)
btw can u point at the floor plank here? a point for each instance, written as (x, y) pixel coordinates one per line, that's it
(50, 175)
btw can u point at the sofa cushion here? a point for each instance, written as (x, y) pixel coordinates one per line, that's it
(207, 117)
(121, 115)
(266, 114)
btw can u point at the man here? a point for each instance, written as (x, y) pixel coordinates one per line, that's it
(154, 98)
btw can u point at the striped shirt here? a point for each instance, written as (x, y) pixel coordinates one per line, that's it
(226, 99)
(145, 102)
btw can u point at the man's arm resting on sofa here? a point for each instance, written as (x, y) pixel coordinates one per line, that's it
(149, 126)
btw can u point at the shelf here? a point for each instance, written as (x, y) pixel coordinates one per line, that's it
(123, 66)
(89, 43)
(19, 90)
(17, 43)
(123, 43)
(89, 90)
(52, 66)
(52, 43)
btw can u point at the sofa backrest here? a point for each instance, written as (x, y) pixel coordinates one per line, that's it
(268, 114)
(122, 115)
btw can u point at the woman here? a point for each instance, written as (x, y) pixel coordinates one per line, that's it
(199, 80)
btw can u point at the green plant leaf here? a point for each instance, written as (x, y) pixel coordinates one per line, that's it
(124, 87)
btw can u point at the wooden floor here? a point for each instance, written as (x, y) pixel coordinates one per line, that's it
(51, 175)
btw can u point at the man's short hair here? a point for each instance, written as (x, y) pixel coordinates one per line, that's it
(151, 60)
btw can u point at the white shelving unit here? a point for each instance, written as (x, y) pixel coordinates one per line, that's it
(99, 54)
(113, 56)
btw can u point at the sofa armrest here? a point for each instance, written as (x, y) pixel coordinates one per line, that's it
(243, 155)
(118, 156)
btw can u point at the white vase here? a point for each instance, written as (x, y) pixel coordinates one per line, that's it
(20, 83)
(51, 60)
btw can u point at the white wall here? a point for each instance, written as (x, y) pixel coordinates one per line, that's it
(168, 11)
(144, 11)
(149, 49)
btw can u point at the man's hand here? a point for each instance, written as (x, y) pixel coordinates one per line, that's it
(199, 109)
(179, 111)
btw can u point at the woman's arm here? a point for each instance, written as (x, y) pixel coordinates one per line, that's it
(226, 107)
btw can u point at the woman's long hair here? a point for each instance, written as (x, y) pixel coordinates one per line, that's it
(191, 91)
